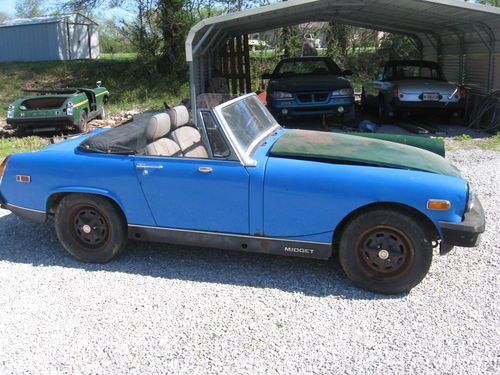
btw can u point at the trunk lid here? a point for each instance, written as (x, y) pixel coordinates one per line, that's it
(418, 86)
(343, 148)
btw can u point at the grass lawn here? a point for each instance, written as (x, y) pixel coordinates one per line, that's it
(12, 145)
(131, 84)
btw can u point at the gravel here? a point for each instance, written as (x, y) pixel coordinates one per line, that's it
(166, 309)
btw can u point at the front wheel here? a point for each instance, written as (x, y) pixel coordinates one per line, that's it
(385, 251)
(90, 228)
(83, 124)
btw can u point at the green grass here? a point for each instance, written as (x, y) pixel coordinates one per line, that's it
(131, 84)
(119, 56)
(463, 138)
(13, 145)
(491, 143)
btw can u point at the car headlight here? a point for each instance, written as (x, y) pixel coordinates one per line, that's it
(343, 92)
(69, 109)
(279, 95)
(470, 198)
(10, 111)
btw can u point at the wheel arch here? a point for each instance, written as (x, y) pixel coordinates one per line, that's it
(400, 207)
(56, 197)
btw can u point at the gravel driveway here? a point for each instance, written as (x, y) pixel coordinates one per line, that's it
(165, 309)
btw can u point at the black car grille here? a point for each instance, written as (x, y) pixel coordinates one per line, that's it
(309, 97)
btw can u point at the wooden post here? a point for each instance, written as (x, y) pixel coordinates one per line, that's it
(239, 56)
(246, 50)
(234, 88)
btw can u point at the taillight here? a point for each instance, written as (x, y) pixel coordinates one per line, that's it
(463, 92)
(3, 166)
(395, 91)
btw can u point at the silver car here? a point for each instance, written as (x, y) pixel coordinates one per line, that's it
(407, 87)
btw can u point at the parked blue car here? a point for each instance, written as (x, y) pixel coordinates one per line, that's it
(310, 86)
(239, 181)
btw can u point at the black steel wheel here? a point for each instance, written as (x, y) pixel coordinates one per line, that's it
(385, 251)
(90, 227)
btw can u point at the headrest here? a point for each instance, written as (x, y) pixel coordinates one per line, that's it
(158, 126)
(179, 116)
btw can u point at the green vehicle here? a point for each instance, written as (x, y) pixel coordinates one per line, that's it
(53, 109)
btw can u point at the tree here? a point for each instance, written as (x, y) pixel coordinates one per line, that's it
(495, 3)
(3, 17)
(29, 8)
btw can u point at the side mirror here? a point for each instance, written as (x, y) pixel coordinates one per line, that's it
(266, 76)
(347, 72)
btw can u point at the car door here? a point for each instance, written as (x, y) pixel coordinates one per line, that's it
(197, 194)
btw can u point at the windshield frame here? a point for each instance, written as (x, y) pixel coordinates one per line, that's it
(245, 156)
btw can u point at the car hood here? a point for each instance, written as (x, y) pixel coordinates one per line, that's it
(343, 148)
(412, 86)
(309, 83)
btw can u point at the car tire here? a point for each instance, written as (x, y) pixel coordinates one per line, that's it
(363, 104)
(90, 228)
(83, 124)
(385, 251)
(348, 118)
(382, 110)
(102, 114)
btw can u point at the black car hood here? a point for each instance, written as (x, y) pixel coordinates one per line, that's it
(309, 83)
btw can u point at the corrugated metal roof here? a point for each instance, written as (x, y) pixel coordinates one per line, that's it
(44, 19)
(434, 17)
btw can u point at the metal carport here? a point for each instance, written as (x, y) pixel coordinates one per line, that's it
(463, 37)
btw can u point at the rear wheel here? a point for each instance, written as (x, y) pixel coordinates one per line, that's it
(385, 251)
(102, 114)
(90, 228)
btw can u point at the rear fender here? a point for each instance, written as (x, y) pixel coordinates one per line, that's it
(62, 191)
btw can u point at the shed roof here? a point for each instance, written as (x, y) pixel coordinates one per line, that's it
(414, 17)
(45, 19)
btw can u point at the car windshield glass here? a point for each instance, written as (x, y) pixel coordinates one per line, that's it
(418, 71)
(248, 119)
(307, 67)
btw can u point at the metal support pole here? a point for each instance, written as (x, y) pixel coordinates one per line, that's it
(192, 89)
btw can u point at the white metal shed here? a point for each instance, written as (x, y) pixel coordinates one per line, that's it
(62, 37)
(463, 37)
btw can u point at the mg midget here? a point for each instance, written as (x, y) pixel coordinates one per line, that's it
(412, 86)
(51, 109)
(239, 181)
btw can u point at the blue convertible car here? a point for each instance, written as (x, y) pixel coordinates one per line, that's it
(239, 181)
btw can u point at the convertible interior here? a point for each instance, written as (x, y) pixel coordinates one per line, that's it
(164, 134)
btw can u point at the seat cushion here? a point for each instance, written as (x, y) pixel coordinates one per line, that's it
(189, 140)
(158, 126)
(179, 116)
(163, 147)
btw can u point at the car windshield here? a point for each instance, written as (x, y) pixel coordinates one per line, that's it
(248, 120)
(418, 71)
(307, 67)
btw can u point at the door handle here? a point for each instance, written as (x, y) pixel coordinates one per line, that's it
(144, 166)
(205, 169)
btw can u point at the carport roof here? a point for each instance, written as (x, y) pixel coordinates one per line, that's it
(413, 17)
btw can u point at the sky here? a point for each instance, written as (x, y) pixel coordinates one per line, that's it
(8, 6)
